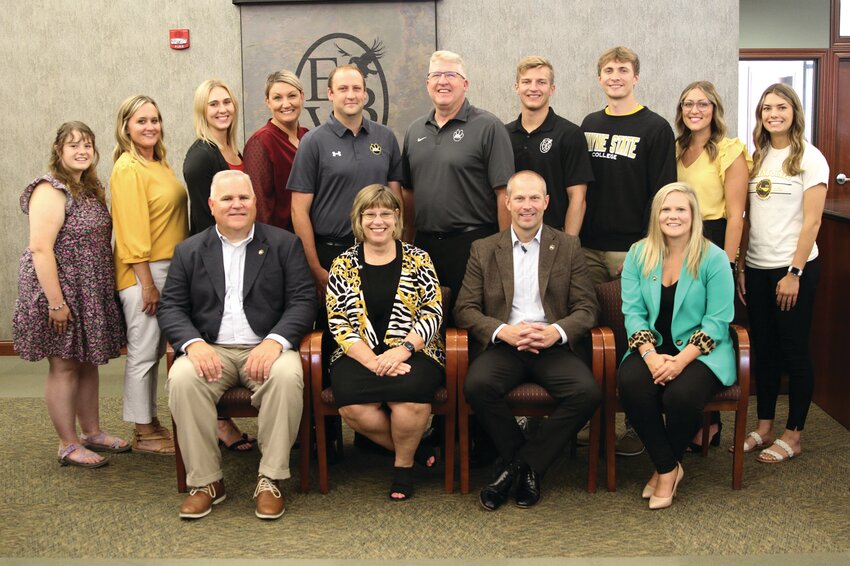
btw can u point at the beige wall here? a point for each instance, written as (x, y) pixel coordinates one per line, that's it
(69, 60)
(785, 24)
(77, 60)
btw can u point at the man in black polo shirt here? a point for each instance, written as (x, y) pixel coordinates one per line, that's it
(549, 145)
(456, 161)
(333, 162)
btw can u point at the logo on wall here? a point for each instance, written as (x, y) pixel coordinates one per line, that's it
(336, 49)
(545, 145)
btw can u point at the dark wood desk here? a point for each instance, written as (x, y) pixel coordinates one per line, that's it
(831, 326)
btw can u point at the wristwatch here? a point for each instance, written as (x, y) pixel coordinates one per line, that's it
(409, 346)
(795, 271)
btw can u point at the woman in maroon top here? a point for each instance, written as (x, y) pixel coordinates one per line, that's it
(270, 151)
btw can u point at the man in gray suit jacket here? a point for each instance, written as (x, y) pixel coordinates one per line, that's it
(237, 301)
(527, 301)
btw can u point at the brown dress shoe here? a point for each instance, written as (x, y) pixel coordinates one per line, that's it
(269, 499)
(201, 499)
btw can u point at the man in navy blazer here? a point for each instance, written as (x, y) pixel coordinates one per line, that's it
(528, 301)
(237, 301)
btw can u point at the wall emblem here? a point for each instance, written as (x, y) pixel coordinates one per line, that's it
(375, 148)
(337, 49)
(458, 135)
(545, 145)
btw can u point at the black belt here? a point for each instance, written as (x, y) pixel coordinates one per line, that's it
(335, 242)
(453, 233)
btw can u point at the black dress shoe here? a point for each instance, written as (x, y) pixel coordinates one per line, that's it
(528, 488)
(497, 492)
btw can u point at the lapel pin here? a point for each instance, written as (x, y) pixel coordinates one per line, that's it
(551, 246)
(261, 252)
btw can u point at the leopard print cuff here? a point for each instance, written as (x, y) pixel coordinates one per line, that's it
(703, 342)
(640, 338)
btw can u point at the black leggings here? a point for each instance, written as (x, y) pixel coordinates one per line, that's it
(682, 400)
(781, 340)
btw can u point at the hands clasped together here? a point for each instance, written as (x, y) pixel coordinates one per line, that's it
(391, 363)
(530, 336)
(664, 367)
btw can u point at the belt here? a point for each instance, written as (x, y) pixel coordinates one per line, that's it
(335, 242)
(453, 233)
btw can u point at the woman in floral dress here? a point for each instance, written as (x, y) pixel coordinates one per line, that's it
(66, 309)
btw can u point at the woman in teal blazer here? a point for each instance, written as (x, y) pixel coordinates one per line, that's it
(678, 293)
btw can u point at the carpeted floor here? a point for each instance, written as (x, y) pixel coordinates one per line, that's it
(129, 508)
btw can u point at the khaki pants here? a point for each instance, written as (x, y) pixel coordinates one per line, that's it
(603, 266)
(192, 401)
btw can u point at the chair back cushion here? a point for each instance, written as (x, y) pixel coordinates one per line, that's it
(611, 315)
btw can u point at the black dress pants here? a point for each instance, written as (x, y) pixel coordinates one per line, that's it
(501, 368)
(682, 400)
(781, 338)
(450, 253)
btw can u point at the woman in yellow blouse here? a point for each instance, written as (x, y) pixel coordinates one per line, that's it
(385, 310)
(150, 218)
(718, 169)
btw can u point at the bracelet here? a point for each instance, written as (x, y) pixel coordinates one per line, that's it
(59, 308)
(151, 286)
(648, 352)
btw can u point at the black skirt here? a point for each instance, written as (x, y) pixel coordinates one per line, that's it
(353, 384)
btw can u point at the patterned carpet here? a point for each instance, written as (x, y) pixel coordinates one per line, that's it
(129, 508)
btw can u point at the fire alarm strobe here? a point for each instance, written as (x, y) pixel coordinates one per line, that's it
(179, 38)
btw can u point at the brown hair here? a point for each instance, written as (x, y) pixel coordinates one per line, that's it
(349, 67)
(372, 196)
(88, 184)
(718, 124)
(761, 137)
(621, 55)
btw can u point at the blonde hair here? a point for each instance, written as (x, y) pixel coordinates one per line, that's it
(123, 142)
(620, 55)
(372, 196)
(654, 245)
(88, 184)
(449, 57)
(283, 76)
(718, 124)
(534, 62)
(761, 137)
(199, 112)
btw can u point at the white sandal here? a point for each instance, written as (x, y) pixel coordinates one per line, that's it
(769, 456)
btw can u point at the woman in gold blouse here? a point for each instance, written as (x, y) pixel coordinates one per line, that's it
(717, 168)
(384, 310)
(150, 218)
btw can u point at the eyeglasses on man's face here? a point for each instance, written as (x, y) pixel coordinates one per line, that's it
(449, 75)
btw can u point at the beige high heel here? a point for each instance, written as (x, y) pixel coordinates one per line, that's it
(664, 502)
(648, 491)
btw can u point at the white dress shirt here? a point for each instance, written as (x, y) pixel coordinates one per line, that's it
(527, 305)
(234, 329)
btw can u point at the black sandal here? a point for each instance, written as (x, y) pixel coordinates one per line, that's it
(402, 483)
(424, 453)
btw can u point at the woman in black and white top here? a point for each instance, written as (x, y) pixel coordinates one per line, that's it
(786, 193)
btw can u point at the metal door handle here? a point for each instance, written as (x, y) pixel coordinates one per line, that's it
(841, 178)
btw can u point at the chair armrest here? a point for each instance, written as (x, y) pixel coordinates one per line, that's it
(314, 352)
(741, 343)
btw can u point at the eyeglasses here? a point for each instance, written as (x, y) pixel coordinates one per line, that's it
(449, 75)
(701, 105)
(369, 216)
